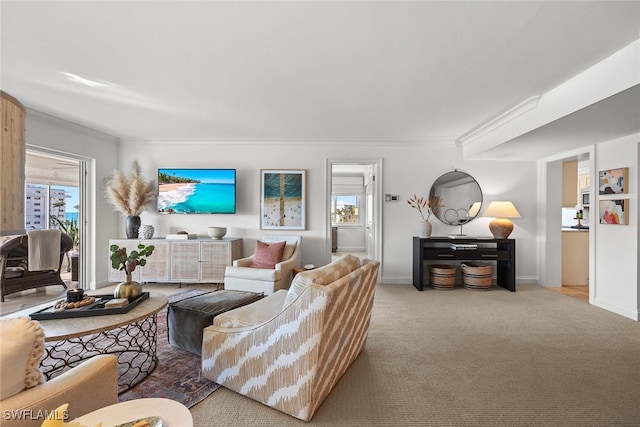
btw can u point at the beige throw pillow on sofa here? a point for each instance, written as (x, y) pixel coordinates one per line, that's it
(21, 348)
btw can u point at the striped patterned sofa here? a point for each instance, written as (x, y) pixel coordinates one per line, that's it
(289, 349)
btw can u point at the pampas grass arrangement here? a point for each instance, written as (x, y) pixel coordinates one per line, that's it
(130, 195)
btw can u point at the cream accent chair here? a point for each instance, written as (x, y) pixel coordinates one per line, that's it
(91, 385)
(288, 350)
(241, 277)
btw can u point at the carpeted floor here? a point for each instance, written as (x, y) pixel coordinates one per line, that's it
(177, 374)
(466, 358)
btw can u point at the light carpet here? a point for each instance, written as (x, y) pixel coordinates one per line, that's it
(468, 358)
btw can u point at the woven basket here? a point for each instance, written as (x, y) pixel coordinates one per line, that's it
(476, 275)
(442, 277)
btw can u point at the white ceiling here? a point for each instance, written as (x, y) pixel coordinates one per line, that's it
(375, 71)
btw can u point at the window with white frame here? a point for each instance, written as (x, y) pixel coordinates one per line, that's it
(345, 209)
(346, 200)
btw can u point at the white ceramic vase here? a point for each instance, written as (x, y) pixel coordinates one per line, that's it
(146, 231)
(425, 229)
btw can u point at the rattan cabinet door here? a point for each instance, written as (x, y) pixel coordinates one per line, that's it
(157, 266)
(185, 261)
(214, 257)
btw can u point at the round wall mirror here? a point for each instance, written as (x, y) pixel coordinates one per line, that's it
(456, 198)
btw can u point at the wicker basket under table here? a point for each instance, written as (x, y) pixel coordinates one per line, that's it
(476, 275)
(442, 277)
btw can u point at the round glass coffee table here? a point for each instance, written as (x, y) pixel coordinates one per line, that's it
(131, 336)
(172, 413)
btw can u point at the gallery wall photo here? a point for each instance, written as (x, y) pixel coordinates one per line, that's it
(615, 211)
(613, 181)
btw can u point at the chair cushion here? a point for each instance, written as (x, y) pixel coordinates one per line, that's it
(289, 248)
(321, 276)
(266, 274)
(267, 255)
(22, 348)
(13, 272)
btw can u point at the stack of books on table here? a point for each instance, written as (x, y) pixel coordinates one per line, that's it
(182, 236)
(463, 246)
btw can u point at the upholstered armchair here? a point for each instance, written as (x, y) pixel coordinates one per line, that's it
(25, 396)
(15, 273)
(288, 350)
(243, 275)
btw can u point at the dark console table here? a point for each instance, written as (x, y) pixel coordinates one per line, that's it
(503, 251)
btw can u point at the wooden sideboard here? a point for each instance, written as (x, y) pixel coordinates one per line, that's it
(438, 249)
(189, 260)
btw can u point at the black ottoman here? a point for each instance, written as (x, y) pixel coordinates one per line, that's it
(188, 317)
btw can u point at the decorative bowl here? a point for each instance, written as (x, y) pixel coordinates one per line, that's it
(217, 233)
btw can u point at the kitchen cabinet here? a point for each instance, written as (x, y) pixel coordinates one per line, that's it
(570, 184)
(583, 182)
(575, 258)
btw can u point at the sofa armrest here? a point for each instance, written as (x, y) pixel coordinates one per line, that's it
(243, 262)
(251, 315)
(91, 385)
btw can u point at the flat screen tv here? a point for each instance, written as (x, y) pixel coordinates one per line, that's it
(197, 191)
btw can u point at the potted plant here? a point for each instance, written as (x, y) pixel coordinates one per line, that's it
(120, 260)
(130, 195)
(421, 204)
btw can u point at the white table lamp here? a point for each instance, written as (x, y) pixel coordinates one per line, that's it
(500, 226)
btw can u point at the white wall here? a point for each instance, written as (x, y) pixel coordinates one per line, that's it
(408, 169)
(613, 249)
(63, 137)
(616, 255)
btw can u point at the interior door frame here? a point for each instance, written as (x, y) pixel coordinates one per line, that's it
(376, 166)
(86, 166)
(550, 226)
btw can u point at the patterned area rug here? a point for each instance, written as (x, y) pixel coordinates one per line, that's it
(177, 375)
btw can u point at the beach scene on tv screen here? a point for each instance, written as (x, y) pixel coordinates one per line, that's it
(196, 190)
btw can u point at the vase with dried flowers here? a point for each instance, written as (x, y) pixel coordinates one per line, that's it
(120, 260)
(130, 195)
(424, 206)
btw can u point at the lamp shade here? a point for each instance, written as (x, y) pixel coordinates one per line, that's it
(502, 210)
(501, 227)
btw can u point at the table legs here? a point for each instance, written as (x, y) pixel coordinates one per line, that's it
(134, 344)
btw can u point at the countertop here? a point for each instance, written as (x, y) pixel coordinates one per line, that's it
(583, 228)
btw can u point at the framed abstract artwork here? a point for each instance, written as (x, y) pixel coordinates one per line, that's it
(614, 211)
(283, 199)
(613, 181)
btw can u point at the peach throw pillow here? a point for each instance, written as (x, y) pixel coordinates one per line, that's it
(267, 255)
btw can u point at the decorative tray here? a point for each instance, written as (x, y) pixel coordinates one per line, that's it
(95, 309)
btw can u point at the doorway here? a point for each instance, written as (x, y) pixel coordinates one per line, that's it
(354, 216)
(55, 197)
(569, 218)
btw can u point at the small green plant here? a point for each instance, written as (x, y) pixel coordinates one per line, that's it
(70, 227)
(121, 261)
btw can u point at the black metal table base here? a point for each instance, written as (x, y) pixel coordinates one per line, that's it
(134, 344)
